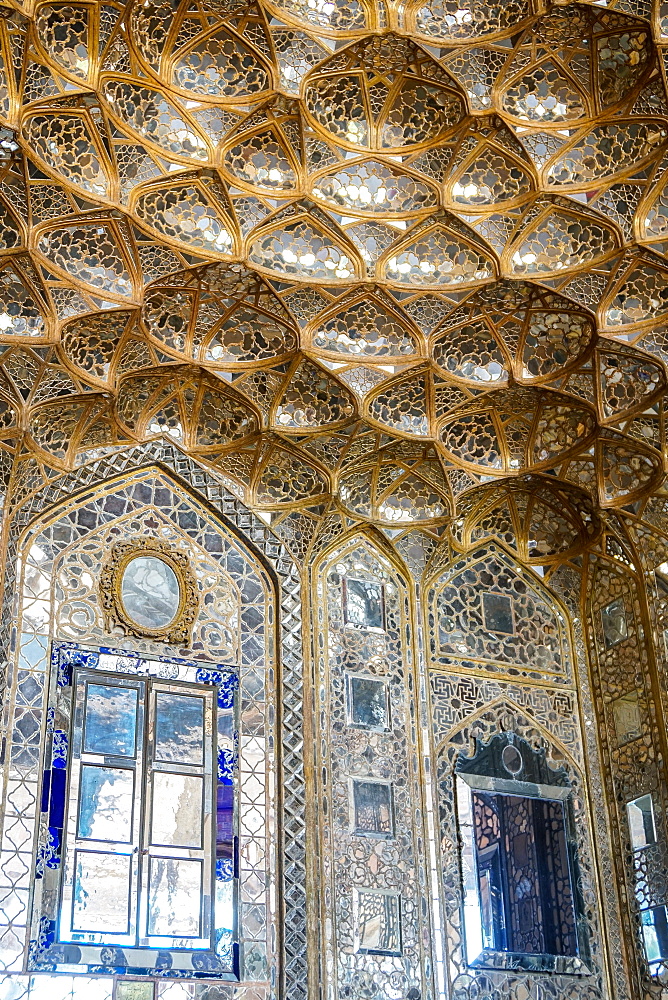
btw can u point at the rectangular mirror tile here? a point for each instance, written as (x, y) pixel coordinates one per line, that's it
(377, 915)
(101, 892)
(367, 703)
(373, 814)
(640, 813)
(175, 897)
(497, 612)
(363, 603)
(613, 621)
(111, 720)
(105, 803)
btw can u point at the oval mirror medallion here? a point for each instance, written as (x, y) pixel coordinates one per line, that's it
(150, 592)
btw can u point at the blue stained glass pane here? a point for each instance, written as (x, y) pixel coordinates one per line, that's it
(58, 786)
(46, 786)
(111, 720)
(179, 728)
(224, 821)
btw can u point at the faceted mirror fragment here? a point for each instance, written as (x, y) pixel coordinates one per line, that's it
(363, 603)
(453, 20)
(655, 933)
(498, 613)
(220, 66)
(150, 592)
(367, 703)
(105, 803)
(111, 720)
(640, 814)
(377, 922)
(613, 620)
(174, 898)
(472, 353)
(177, 810)
(179, 728)
(101, 892)
(626, 718)
(373, 809)
(375, 188)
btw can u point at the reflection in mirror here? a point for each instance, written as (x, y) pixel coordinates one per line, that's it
(377, 915)
(498, 613)
(626, 716)
(372, 809)
(175, 898)
(655, 933)
(179, 728)
(150, 592)
(640, 813)
(366, 703)
(176, 818)
(518, 860)
(105, 804)
(111, 720)
(101, 893)
(363, 603)
(613, 620)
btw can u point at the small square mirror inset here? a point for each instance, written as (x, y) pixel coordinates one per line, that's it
(367, 704)
(613, 620)
(626, 715)
(377, 916)
(655, 933)
(363, 603)
(497, 610)
(373, 813)
(133, 989)
(640, 813)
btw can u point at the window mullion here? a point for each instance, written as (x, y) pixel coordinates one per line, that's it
(180, 853)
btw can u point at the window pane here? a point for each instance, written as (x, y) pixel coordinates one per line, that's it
(179, 728)
(111, 720)
(175, 889)
(177, 810)
(105, 803)
(101, 893)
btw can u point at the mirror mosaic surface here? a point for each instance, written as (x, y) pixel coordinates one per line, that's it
(359, 309)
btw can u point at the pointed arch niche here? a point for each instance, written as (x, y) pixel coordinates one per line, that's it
(501, 659)
(375, 927)
(248, 616)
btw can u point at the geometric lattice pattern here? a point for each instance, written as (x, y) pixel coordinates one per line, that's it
(378, 251)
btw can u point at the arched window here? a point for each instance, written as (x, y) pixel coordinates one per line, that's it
(522, 902)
